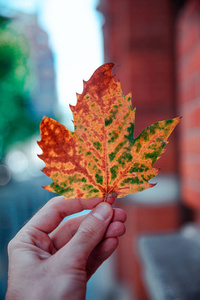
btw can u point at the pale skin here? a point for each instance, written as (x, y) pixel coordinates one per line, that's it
(51, 262)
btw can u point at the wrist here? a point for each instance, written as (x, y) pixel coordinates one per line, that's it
(60, 288)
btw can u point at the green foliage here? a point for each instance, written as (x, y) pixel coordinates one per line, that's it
(16, 124)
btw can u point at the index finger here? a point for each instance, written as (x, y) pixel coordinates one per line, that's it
(52, 213)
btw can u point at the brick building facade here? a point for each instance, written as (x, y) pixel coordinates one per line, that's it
(188, 100)
(156, 48)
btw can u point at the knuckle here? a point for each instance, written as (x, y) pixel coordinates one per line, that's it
(14, 245)
(11, 245)
(87, 230)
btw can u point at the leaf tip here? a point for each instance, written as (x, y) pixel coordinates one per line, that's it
(71, 107)
(44, 117)
(178, 119)
(153, 184)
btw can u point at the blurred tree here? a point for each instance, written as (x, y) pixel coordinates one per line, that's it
(16, 123)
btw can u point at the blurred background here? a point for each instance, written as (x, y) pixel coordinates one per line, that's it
(47, 48)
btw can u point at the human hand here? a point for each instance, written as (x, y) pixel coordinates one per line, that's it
(47, 261)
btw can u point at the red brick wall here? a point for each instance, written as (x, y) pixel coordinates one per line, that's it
(188, 93)
(138, 37)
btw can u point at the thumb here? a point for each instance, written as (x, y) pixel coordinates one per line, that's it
(89, 234)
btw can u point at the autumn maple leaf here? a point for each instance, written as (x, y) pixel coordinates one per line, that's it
(101, 156)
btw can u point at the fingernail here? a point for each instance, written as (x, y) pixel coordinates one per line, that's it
(102, 211)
